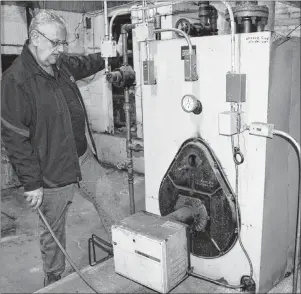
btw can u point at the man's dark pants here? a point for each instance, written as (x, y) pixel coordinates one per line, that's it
(96, 188)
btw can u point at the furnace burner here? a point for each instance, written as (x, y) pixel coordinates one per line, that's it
(196, 179)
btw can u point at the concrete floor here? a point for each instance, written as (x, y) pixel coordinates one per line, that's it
(20, 252)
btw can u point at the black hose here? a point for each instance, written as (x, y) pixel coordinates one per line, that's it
(65, 253)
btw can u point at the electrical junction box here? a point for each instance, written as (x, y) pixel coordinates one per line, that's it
(190, 68)
(235, 87)
(144, 31)
(151, 250)
(149, 72)
(108, 48)
(227, 122)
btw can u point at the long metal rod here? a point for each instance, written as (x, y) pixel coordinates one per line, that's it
(124, 29)
(297, 240)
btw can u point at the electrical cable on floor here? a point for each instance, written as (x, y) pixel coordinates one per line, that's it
(65, 253)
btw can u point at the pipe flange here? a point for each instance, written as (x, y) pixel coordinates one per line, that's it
(122, 77)
(198, 209)
(248, 10)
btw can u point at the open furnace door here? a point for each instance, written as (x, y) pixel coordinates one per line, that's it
(195, 178)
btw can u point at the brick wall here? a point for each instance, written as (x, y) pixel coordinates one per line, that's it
(287, 17)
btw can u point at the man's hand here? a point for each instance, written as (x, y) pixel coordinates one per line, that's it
(34, 198)
(119, 46)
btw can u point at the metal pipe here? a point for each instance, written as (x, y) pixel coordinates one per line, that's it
(130, 169)
(247, 25)
(271, 20)
(143, 11)
(157, 25)
(179, 32)
(231, 15)
(124, 49)
(183, 215)
(127, 10)
(105, 8)
(113, 18)
(297, 241)
(124, 30)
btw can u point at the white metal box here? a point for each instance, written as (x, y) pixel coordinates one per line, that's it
(108, 48)
(144, 31)
(151, 250)
(227, 122)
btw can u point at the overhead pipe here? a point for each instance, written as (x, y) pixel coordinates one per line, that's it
(232, 22)
(127, 10)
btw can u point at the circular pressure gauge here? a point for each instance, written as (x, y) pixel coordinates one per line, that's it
(191, 104)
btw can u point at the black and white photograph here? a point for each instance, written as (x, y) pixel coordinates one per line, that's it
(150, 147)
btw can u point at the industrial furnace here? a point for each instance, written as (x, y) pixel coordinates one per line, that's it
(188, 153)
(188, 159)
(238, 193)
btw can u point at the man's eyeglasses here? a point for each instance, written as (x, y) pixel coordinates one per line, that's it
(54, 43)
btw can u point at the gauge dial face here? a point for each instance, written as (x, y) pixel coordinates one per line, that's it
(189, 103)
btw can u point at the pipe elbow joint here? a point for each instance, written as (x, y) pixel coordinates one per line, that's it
(127, 27)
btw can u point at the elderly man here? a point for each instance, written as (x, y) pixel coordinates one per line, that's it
(44, 122)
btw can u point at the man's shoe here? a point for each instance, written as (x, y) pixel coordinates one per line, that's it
(50, 278)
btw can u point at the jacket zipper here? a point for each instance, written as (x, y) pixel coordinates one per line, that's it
(86, 118)
(77, 177)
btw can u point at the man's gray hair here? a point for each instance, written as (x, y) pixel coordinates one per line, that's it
(45, 17)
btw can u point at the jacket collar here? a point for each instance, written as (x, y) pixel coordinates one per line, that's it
(32, 64)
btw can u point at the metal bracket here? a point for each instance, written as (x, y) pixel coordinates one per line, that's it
(100, 243)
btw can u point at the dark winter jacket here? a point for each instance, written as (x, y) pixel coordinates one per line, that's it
(35, 121)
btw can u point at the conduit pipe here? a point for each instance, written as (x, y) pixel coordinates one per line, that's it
(179, 32)
(113, 19)
(233, 59)
(105, 8)
(143, 10)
